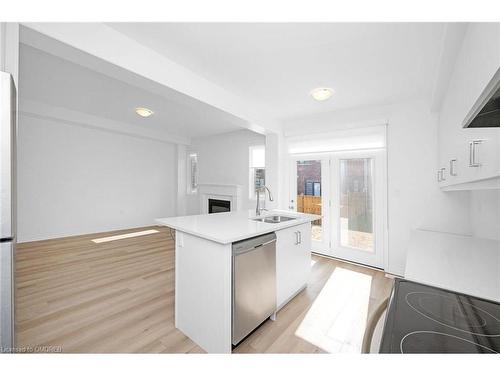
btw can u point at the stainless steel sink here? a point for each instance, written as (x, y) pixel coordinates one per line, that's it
(275, 219)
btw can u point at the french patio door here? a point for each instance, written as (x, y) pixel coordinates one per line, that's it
(349, 190)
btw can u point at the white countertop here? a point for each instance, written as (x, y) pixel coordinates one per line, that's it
(228, 227)
(463, 264)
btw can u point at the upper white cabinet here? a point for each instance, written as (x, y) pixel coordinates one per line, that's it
(470, 155)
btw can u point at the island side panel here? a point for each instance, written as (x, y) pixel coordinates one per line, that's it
(203, 291)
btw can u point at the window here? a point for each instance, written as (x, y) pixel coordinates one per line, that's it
(193, 173)
(257, 168)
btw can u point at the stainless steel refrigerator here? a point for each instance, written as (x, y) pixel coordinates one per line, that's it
(7, 210)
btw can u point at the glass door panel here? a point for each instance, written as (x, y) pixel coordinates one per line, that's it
(356, 203)
(309, 192)
(307, 195)
(358, 212)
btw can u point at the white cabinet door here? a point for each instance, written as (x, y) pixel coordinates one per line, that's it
(476, 66)
(293, 261)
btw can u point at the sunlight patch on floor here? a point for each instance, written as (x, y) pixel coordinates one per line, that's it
(126, 235)
(337, 318)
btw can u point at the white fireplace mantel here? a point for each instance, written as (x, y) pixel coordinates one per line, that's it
(231, 193)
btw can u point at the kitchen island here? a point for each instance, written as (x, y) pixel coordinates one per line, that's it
(203, 268)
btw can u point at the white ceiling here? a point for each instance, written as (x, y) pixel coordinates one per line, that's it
(56, 81)
(276, 65)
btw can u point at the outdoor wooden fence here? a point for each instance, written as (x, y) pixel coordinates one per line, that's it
(309, 204)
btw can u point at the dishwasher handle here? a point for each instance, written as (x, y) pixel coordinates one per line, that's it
(265, 243)
(246, 250)
(245, 246)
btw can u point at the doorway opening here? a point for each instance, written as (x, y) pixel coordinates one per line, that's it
(349, 190)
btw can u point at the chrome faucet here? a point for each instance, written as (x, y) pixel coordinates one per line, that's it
(259, 210)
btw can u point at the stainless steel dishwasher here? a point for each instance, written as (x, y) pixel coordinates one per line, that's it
(254, 284)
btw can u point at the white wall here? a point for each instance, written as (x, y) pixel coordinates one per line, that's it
(9, 49)
(414, 198)
(485, 213)
(224, 159)
(74, 180)
(2, 45)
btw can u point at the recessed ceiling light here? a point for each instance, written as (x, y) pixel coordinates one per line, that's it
(143, 112)
(321, 93)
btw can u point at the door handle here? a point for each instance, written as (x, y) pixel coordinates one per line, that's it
(453, 163)
(443, 170)
(473, 159)
(296, 238)
(300, 237)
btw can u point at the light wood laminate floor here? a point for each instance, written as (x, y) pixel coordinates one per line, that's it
(118, 296)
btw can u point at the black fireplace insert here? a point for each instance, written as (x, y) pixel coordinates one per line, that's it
(218, 205)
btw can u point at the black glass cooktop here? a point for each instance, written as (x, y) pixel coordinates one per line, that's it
(424, 319)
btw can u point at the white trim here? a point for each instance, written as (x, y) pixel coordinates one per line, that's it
(373, 137)
(342, 126)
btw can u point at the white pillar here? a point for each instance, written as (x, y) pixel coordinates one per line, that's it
(274, 169)
(181, 179)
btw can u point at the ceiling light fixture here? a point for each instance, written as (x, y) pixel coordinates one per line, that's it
(143, 112)
(321, 93)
